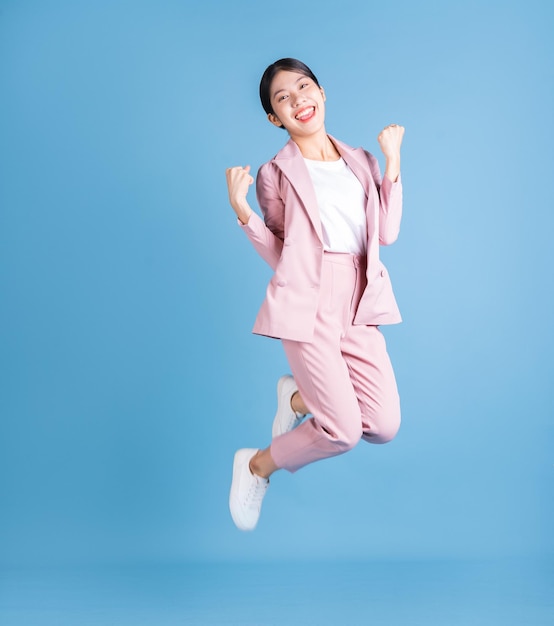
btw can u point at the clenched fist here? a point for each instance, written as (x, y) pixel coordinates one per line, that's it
(390, 140)
(238, 182)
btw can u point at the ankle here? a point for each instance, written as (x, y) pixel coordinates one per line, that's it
(297, 405)
(255, 467)
(251, 465)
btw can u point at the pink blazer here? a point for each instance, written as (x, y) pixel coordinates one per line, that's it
(290, 240)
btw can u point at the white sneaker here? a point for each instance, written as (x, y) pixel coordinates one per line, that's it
(286, 417)
(247, 491)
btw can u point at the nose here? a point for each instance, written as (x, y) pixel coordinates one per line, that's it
(298, 99)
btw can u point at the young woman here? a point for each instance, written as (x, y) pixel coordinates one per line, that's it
(326, 211)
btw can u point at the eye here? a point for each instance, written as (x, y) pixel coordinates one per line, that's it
(304, 85)
(281, 98)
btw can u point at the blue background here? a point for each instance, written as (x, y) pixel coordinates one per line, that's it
(128, 372)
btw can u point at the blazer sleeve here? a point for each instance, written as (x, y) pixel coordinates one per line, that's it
(267, 235)
(390, 203)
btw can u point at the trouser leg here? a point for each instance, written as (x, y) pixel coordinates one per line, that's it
(365, 352)
(344, 376)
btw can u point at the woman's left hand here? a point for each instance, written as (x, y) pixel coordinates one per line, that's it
(390, 140)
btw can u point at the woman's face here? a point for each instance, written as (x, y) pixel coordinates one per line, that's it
(298, 103)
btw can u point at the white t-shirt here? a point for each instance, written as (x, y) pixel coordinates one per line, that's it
(342, 202)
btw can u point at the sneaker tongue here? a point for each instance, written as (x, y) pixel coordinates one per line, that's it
(261, 483)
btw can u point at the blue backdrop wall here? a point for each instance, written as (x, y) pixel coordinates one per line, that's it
(128, 372)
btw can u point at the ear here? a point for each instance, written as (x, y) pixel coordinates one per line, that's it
(274, 120)
(323, 93)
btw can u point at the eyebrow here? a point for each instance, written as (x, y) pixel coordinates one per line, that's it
(296, 81)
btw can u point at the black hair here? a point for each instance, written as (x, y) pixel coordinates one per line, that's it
(288, 65)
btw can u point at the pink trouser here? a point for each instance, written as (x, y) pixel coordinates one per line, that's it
(344, 376)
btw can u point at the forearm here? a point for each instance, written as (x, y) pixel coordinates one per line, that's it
(390, 210)
(242, 210)
(392, 168)
(268, 246)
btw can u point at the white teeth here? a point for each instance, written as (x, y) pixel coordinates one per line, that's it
(305, 113)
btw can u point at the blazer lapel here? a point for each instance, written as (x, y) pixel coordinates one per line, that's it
(356, 160)
(290, 161)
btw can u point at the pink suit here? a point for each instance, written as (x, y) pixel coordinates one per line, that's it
(325, 307)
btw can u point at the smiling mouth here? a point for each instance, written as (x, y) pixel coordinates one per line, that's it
(305, 115)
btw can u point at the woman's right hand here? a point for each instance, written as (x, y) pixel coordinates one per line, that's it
(238, 182)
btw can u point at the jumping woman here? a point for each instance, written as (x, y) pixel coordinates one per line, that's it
(326, 211)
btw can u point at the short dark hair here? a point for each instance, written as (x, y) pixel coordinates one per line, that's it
(288, 65)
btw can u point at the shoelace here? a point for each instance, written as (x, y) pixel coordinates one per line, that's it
(256, 493)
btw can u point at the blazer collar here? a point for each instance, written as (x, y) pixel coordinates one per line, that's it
(290, 161)
(355, 158)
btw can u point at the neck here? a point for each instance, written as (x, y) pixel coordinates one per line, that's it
(317, 147)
